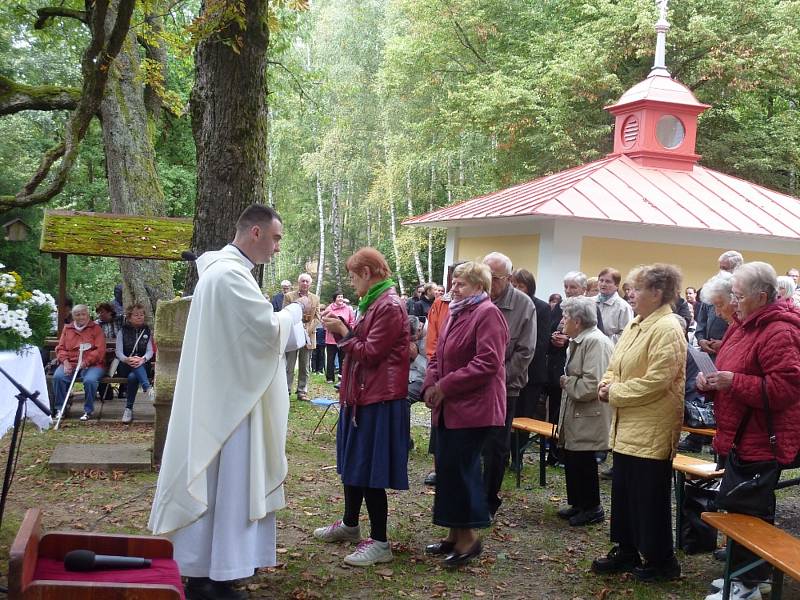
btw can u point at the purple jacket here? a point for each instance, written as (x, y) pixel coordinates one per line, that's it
(469, 366)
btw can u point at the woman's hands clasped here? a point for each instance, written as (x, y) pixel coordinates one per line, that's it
(433, 396)
(721, 380)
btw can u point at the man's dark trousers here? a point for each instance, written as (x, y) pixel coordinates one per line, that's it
(496, 452)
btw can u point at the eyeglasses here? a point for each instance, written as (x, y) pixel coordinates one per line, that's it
(499, 277)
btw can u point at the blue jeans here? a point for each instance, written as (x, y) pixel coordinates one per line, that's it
(91, 376)
(136, 377)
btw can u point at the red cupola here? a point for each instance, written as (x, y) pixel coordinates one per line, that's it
(656, 120)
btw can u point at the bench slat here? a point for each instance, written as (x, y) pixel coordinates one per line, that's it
(696, 467)
(533, 426)
(774, 545)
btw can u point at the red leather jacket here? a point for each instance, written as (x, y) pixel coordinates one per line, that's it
(766, 345)
(71, 338)
(376, 360)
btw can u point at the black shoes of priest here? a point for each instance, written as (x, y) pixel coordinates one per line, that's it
(663, 571)
(202, 588)
(587, 517)
(457, 559)
(440, 548)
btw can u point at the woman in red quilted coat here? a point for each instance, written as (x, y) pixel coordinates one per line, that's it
(763, 344)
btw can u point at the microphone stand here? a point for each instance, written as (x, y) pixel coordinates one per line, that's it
(22, 397)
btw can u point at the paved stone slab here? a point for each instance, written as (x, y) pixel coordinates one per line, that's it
(106, 457)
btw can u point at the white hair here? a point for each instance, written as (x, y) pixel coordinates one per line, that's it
(303, 275)
(79, 307)
(501, 258)
(286, 282)
(732, 257)
(786, 286)
(757, 277)
(583, 308)
(576, 277)
(719, 286)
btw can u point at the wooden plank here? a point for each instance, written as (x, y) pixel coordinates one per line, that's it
(699, 431)
(23, 553)
(696, 467)
(542, 428)
(774, 545)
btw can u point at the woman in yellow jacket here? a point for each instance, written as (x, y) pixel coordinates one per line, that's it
(644, 386)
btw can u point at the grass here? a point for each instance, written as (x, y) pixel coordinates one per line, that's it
(529, 553)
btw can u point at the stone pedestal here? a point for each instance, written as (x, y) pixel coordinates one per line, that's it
(170, 325)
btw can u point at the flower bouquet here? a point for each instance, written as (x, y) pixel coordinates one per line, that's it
(26, 318)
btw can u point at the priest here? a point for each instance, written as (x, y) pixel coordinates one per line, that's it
(224, 460)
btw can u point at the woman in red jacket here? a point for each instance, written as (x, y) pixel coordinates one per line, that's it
(465, 389)
(372, 441)
(762, 346)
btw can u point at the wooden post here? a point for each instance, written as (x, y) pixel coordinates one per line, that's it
(62, 292)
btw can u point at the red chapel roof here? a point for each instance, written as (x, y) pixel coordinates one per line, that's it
(618, 189)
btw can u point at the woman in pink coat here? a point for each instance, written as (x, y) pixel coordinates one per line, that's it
(466, 391)
(337, 308)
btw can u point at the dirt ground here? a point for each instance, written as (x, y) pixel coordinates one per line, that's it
(529, 552)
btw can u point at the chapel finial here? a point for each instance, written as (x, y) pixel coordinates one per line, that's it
(662, 26)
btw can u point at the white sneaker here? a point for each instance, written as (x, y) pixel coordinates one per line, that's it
(86, 416)
(151, 395)
(127, 415)
(338, 532)
(370, 552)
(738, 592)
(765, 587)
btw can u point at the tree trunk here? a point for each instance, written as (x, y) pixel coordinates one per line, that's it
(369, 226)
(393, 223)
(430, 229)
(321, 214)
(417, 263)
(133, 182)
(229, 123)
(336, 227)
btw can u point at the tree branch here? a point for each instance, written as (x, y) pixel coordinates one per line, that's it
(298, 84)
(50, 12)
(464, 39)
(15, 97)
(96, 63)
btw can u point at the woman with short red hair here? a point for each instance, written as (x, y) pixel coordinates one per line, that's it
(372, 440)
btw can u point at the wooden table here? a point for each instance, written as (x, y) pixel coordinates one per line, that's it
(694, 468)
(544, 430)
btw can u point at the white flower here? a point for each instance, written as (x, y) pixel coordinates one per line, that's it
(2, 266)
(5, 321)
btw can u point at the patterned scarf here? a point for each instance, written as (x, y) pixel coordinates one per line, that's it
(457, 306)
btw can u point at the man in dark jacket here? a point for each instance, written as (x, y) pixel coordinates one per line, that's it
(520, 315)
(423, 305)
(277, 299)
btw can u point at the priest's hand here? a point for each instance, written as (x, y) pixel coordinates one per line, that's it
(335, 326)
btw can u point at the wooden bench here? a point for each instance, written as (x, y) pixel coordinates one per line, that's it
(35, 553)
(699, 431)
(544, 430)
(688, 467)
(766, 541)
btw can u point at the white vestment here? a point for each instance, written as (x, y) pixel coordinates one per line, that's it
(224, 461)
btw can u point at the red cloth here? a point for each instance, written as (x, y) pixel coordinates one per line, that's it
(71, 338)
(163, 571)
(437, 317)
(376, 359)
(766, 345)
(469, 366)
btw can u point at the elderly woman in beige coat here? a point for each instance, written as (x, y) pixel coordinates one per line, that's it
(644, 385)
(584, 420)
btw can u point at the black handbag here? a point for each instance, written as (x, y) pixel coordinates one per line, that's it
(696, 535)
(699, 414)
(749, 487)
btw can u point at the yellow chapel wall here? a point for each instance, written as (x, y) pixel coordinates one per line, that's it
(696, 263)
(523, 250)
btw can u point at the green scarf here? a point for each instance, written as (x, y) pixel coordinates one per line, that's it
(372, 295)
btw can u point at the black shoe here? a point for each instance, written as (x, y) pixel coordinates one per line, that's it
(456, 559)
(600, 457)
(608, 473)
(616, 561)
(588, 517)
(439, 548)
(720, 554)
(197, 589)
(430, 479)
(568, 512)
(664, 571)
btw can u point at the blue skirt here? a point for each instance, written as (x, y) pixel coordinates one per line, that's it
(373, 451)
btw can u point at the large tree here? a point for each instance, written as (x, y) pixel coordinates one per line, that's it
(229, 119)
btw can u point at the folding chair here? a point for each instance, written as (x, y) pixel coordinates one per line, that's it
(328, 403)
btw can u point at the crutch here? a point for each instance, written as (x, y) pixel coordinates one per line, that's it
(81, 348)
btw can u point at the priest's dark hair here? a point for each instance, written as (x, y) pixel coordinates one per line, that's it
(256, 214)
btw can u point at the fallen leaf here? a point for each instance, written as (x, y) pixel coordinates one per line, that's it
(384, 572)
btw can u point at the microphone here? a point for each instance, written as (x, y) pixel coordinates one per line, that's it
(188, 256)
(86, 560)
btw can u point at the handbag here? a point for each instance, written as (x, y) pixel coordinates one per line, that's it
(749, 487)
(699, 414)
